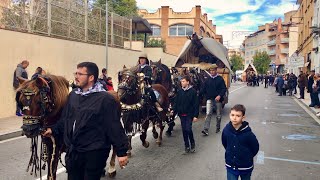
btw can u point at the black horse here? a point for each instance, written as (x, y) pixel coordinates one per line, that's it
(137, 108)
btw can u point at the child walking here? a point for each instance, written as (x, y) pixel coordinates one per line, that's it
(241, 145)
(187, 108)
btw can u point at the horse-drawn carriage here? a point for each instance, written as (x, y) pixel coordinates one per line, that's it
(196, 57)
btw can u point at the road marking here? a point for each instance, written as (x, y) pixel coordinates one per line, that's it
(261, 158)
(307, 110)
(237, 89)
(12, 139)
(293, 160)
(61, 170)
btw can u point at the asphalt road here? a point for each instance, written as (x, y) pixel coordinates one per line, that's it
(288, 136)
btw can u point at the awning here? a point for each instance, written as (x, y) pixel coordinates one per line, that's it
(250, 66)
(140, 25)
(212, 46)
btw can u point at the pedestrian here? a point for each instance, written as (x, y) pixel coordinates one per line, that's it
(144, 67)
(313, 94)
(302, 83)
(37, 73)
(295, 82)
(214, 89)
(266, 78)
(20, 74)
(186, 105)
(241, 145)
(89, 124)
(280, 84)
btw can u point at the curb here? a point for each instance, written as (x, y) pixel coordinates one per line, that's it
(10, 135)
(312, 110)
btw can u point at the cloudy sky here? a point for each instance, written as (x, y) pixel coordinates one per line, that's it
(234, 18)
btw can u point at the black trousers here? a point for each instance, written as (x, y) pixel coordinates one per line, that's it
(186, 124)
(151, 93)
(87, 165)
(301, 92)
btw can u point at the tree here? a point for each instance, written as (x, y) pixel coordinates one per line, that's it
(237, 62)
(126, 8)
(261, 61)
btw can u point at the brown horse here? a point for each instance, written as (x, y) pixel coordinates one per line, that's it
(41, 101)
(137, 108)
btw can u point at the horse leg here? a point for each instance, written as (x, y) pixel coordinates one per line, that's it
(52, 160)
(143, 135)
(154, 131)
(161, 126)
(112, 166)
(129, 146)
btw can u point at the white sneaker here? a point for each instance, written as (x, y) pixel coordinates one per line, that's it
(318, 114)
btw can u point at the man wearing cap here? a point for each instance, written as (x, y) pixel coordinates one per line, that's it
(214, 89)
(147, 71)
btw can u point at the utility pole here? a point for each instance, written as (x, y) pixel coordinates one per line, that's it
(107, 33)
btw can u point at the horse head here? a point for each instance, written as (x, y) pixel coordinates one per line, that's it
(37, 100)
(129, 82)
(157, 72)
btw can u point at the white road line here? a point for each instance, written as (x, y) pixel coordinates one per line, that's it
(293, 160)
(61, 170)
(307, 110)
(12, 139)
(237, 89)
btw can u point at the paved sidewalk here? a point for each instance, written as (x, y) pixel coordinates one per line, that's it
(10, 127)
(306, 101)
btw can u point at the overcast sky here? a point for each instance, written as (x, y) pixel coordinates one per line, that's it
(234, 18)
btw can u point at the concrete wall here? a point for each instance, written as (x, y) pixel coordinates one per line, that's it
(58, 57)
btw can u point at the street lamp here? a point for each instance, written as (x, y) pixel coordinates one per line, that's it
(107, 32)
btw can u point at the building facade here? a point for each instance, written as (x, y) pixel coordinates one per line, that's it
(316, 38)
(305, 41)
(173, 27)
(279, 39)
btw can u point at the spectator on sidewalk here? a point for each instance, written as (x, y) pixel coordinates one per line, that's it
(316, 89)
(302, 83)
(280, 84)
(241, 145)
(22, 74)
(313, 93)
(295, 83)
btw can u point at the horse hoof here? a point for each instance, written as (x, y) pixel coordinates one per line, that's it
(155, 135)
(159, 143)
(146, 144)
(113, 174)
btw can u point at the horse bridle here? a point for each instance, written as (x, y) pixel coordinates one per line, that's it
(132, 89)
(46, 98)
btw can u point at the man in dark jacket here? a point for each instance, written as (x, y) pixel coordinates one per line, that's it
(214, 90)
(145, 68)
(20, 73)
(266, 78)
(187, 107)
(279, 84)
(90, 124)
(241, 145)
(302, 83)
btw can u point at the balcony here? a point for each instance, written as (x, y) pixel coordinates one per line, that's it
(271, 43)
(272, 52)
(284, 40)
(285, 51)
(272, 33)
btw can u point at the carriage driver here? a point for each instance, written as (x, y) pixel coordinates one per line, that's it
(145, 68)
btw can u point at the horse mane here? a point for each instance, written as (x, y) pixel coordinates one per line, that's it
(167, 70)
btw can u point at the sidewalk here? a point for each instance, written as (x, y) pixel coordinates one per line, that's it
(10, 127)
(306, 101)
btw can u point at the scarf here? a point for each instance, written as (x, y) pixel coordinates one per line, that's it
(97, 87)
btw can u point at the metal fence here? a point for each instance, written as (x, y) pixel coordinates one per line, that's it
(78, 20)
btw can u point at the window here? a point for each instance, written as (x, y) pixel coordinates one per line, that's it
(156, 30)
(202, 31)
(208, 35)
(180, 30)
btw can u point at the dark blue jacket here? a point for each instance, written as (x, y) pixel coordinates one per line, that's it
(241, 146)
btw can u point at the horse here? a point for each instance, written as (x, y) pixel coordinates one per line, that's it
(161, 74)
(41, 101)
(137, 109)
